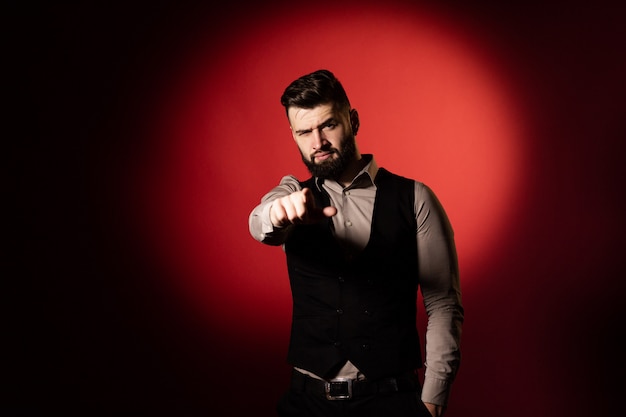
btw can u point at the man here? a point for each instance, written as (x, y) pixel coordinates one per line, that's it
(359, 242)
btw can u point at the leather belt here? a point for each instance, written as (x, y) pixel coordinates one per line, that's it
(345, 389)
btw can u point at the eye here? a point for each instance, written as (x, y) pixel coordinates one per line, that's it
(330, 126)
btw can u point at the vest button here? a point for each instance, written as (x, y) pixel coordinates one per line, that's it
(337, 344)
(367, 313)
(339, 311)
(341, 279)
(365, 347)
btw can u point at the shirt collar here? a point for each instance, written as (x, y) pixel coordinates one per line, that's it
(362, 179)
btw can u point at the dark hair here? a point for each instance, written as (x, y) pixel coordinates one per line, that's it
(314, 89)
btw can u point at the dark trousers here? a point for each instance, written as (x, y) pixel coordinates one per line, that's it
(304, 403)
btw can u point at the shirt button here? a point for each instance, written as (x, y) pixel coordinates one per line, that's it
(367, 313)
(339, 311)
(347, 192)
(341, 279)
(365, 347)
(348, 223)
(337, 344)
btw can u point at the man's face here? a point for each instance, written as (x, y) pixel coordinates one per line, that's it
(325, 138)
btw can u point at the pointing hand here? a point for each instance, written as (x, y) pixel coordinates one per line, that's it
(298, 208)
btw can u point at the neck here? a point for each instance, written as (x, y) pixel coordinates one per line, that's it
(357, 164)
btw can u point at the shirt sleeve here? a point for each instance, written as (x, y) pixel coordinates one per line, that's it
(260, 225)
(441, 291)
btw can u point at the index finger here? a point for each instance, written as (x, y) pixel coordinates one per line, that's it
(309, 199)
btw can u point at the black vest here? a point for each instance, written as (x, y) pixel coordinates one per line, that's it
(360, 308)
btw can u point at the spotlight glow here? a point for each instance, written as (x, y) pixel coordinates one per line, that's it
(434, 106)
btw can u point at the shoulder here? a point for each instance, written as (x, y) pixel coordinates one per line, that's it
(385, 175)
(290, 181)
(288, 185)
(423, 193)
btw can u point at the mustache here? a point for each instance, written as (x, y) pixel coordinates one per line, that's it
(323, 151)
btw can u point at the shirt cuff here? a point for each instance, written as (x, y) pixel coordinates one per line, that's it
(266, 224)
(435, 391)
(270, 234)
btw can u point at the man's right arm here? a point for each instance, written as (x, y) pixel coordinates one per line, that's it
(284, 206)
(260, 224)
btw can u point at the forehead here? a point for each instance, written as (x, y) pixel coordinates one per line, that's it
(301, 118)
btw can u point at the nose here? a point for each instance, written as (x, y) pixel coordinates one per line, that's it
(318, 139)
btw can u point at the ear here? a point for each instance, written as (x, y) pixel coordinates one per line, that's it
(354, 121)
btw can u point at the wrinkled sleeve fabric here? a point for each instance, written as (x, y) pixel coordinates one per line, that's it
(259, 223)
(441, 291)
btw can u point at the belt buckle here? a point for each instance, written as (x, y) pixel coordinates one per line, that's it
(338, 389)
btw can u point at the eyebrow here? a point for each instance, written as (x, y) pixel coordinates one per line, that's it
(321, 125)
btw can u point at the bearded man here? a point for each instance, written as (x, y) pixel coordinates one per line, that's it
(360, 242)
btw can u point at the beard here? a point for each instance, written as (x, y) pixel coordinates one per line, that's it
(334, 167)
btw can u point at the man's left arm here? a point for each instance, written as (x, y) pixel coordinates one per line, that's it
(440, 287)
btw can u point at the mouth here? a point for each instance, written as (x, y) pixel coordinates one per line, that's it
(322, 156)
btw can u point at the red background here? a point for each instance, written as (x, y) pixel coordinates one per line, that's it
(141, 138)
